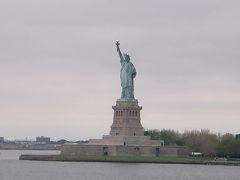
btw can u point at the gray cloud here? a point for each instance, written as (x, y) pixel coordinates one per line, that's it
(60, 73)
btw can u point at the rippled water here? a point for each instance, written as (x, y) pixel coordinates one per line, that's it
(13, 169)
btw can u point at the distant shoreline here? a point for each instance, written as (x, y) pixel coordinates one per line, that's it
(19, 146)
(127, 159)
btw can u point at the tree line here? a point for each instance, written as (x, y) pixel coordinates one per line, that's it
(210, 144)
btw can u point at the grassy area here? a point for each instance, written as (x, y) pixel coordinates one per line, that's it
(233, 159)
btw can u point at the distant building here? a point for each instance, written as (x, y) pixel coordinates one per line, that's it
(1, 139)
(43, 140)
(238, 136)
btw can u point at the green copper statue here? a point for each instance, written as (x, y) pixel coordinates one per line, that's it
(127, 74)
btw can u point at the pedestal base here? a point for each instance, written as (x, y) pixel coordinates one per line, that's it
(126, 119)
(126, 141)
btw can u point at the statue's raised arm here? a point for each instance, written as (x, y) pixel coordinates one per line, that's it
(119, 51)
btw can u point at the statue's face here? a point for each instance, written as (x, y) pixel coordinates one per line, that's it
(127, 57)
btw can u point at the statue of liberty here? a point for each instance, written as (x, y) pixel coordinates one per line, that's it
(127, 74)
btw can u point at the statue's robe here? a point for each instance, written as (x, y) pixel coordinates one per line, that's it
(127, 73)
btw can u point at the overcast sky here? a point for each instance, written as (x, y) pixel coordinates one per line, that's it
(59, 69)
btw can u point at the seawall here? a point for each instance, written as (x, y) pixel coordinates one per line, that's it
(126, 159)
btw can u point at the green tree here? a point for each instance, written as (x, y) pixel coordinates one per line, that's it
(169, 136)
(201, 141)
(229, 146)
(154, 134)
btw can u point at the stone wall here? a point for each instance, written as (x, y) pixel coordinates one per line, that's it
(78, 150)
(126, 141)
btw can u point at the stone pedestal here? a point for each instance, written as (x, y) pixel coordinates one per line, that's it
(126, 129)
(126, 119)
